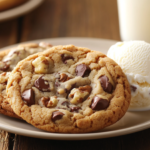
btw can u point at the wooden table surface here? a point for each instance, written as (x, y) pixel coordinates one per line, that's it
(68, 18)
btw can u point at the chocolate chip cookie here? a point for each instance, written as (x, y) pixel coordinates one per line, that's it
(8, 60)
(69, 89)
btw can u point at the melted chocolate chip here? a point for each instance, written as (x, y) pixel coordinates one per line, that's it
(65, 58)
(75, 109)
(42, 84)
(57, 115)
(133, 88)
(28, 97)
(82, 70)
(65, 103)
(99, 103)
(106, 85)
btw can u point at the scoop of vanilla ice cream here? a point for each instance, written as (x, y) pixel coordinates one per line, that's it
(134, 59)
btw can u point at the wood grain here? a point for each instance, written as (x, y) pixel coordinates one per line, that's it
(72, 18)
(135, 141)
(4, 140)
(8, 33)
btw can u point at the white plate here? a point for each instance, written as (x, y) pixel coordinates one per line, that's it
(19, 10)
(131, 122)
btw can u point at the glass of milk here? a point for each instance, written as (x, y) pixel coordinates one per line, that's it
(134, 19)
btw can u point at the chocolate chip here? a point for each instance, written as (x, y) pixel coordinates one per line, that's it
(75, 109)
(57, 115)
(65, 58)
(65, 103)
(28, 97)
(82, 70)
(106, 85)
(42, 84)
(99, 103)
(133, 88)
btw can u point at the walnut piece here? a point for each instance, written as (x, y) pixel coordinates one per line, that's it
(63, 77)
(41, 64)
(78, 95)
(49, 102)
(61, 91)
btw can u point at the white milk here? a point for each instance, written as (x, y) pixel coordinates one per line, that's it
(134, 19)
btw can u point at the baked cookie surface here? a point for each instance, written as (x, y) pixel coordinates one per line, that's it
(8, 60)
(69, 89)
(7, 4)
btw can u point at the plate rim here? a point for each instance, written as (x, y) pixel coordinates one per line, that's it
(78, 136)
(13, 12)
(58, 38)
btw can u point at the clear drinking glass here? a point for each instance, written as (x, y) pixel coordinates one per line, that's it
(134, 19)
